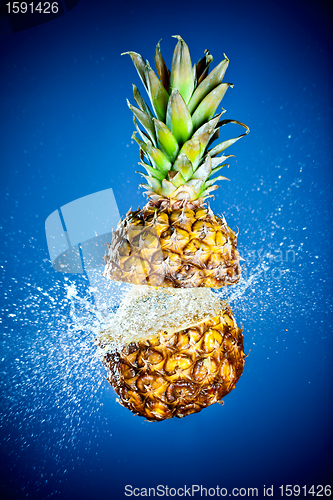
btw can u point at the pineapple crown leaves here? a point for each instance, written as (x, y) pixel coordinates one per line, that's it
(177, 135)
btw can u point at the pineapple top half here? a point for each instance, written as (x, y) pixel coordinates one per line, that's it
(175, 145)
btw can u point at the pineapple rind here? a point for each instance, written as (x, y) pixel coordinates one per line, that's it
(173, 244)
(176, 374)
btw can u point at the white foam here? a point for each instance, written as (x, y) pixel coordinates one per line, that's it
(147, 311)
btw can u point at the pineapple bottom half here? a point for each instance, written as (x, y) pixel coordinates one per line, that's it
(177, 373)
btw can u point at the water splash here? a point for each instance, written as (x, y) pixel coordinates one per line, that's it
(51, 376)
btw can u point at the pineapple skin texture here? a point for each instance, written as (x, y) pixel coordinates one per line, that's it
(178, 374)
(173, 244)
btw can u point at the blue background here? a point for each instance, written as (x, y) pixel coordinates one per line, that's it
(65, 133)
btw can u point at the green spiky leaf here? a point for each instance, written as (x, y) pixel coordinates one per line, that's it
(206, 192)
(153, 171)
(206, 109)
(176, 178)
(215, 170)
(218, 160)
(153, 183)
(184, 166)
(140, 66)
(157, 157)
(208, 84)
(157, 93)
(182, 77)
(144, 119)
(178, 118)
(218, 178)
(141, 102)
(204, 170)
(161, 68)
(144, 137)
(225, 144)
(166, 140)
(203, 135)
(202, 67)
(149, 189)
(192, 150)
(167, 188)
(197, 185)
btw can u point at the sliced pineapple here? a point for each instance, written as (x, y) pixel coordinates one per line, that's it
(176, 373)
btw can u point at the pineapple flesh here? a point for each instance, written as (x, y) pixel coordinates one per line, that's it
(176, 240)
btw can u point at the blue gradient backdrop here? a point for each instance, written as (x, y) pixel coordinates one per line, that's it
(65, 133)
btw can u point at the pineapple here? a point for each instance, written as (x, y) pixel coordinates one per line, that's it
(175, 364)
(174, 347)
(176, 240)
